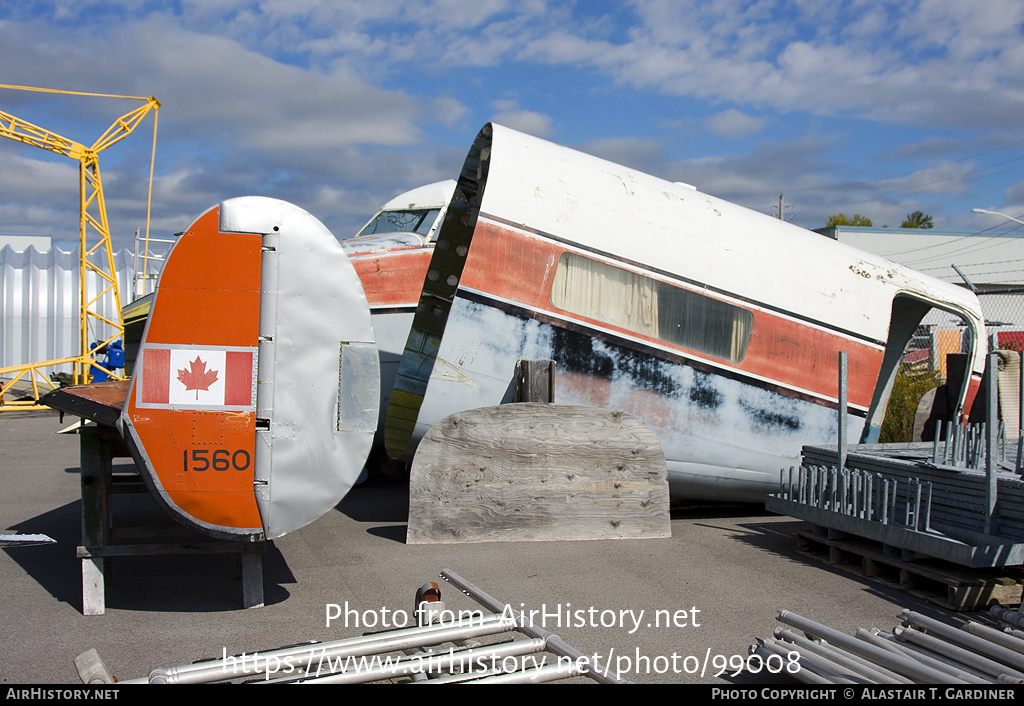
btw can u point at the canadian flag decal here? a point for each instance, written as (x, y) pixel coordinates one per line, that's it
(197, 377)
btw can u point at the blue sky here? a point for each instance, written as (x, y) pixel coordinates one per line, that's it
(856, 106)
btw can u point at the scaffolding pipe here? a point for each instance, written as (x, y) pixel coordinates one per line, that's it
(1012, 617)
(813, 669)
(998, 637)
(929, 659)
(845, 659)
(966, 640)
(907, 667)
(550, 672)
(458, 678)
(233, 666)
(555, 644)
(430, 662)
(956, 652)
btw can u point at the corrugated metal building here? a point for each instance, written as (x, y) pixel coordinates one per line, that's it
(990, 262)
(987, 260)
(21, 242)
(39, 302)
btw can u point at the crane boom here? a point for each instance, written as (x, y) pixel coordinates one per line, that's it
(24, 131)
(92, 216)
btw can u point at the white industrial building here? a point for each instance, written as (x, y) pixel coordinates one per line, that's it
(993, 264)
(39, 302)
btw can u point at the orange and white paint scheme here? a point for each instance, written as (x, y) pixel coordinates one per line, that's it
(719, 327)
(229, 380)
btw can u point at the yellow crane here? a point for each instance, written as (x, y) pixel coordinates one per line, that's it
(92, 217)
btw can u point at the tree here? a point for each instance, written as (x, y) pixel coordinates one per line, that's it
(917, 219)
(840, 219)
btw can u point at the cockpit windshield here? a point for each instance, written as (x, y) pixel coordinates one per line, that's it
(413, 221)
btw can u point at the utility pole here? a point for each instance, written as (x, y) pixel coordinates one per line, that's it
(782, 208)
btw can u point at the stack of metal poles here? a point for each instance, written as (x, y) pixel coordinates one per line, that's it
(920, 651)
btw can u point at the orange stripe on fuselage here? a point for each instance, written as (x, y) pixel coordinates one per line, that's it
(520, 267)
(394, 277)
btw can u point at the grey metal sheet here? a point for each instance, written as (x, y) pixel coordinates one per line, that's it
(319, 377)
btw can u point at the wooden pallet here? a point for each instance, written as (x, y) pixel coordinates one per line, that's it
(951, 586)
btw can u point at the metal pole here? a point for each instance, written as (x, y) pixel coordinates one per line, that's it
(1020, 408)
(1008, 658)
(233, 666)
(906, 667)
(550, 672)
(842, 410)
(990, 462)
(429, 662)
(956, 652)
(933, 660)
(808, 673)
(844, 659)
(555, 644)
(1013, 617)
(814, 662)
(999, 637)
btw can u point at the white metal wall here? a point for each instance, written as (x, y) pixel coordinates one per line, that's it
(39, 295)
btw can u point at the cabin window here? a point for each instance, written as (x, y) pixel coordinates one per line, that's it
(652, 308)
(413, 221)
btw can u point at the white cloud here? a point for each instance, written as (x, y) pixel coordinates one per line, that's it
(511, 115)
(448, 111)
(340, 104)
(1014, 196)
(733, 123)
(644, 155)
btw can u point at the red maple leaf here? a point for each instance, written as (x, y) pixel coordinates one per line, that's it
(197, 377)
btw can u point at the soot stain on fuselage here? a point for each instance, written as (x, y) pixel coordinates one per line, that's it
(768, 419)
(577, 354)
(703, 394)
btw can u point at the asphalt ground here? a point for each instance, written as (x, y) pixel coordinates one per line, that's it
(721, 578)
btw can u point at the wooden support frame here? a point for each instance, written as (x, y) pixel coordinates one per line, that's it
(98, 447)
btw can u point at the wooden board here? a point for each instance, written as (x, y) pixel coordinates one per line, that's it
(537, 472)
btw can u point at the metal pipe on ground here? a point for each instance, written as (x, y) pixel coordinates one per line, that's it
(1006, 615)
(926, 657)
(1013, 660)
(555, 644)
(907, 667)
(813, 669)
(858, 665)
(1010, 642)
(960, 654)
(427, 663)
(238, 666)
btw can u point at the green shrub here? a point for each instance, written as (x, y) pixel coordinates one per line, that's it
(907, 391)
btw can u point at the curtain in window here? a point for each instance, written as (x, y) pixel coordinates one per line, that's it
(646, 306)
(605, 293)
